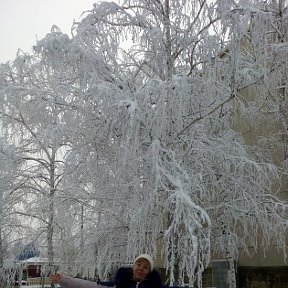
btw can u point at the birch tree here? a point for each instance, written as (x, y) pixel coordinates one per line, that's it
(34, 98)
(10, 198)
(171, 112)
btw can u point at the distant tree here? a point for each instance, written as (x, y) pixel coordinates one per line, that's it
(29, 251)
(43, 99)
(10, 227)
(34, 97)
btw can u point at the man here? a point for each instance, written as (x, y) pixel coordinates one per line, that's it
(141, 275)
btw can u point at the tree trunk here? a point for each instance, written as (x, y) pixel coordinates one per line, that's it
(231, 275)
(167, 27)
(1, 262)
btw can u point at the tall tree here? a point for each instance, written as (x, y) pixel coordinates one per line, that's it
(34, 98)
(171, 115)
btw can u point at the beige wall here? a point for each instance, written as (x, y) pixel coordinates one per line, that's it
(271, 258)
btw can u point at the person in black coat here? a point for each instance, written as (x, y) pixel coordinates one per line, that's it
(141, 275)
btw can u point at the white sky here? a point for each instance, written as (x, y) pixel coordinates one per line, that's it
(22, 22)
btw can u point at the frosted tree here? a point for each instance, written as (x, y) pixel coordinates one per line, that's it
(44, 97)
(169, 99)
(10, 198)
(257, 86)
(263, 64)
(36, 93)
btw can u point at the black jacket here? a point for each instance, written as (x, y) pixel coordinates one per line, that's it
(124, 279)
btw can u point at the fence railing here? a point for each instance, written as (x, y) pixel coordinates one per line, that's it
(37, 281)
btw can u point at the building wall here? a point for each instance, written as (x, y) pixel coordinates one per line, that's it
(262, 277)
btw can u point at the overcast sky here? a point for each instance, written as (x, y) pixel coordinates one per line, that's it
(22, 22)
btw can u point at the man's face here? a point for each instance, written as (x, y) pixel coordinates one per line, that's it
(141, 269)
